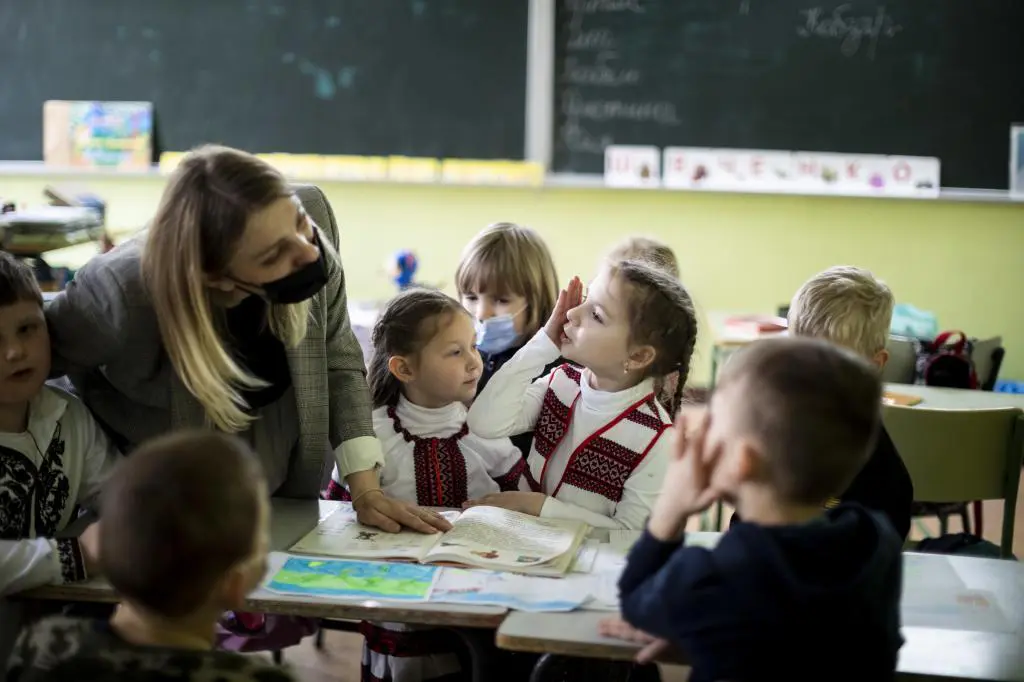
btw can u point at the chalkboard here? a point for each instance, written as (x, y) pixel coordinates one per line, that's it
(440, 78)
(941, 78)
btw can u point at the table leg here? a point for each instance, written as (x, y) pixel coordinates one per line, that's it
(541, 667)
(481, 650)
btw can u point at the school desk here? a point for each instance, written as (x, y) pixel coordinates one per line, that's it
(290, 520)
(928, 653)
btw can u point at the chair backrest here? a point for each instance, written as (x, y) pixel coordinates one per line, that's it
(983, 355)
(902, 365)
(961, 455)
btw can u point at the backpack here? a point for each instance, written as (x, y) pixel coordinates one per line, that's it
(946, 361)
(963, 544)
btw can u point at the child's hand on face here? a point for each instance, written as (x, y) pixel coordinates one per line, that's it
(687, 489)
(568, 298)
(513, 500)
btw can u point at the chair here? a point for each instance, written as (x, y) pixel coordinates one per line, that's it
(987, 356)
(902, 365)
(961, 456)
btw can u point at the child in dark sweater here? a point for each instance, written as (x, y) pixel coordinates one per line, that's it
(852, 308)
(792, 592)
(506, 279)
(184, 533)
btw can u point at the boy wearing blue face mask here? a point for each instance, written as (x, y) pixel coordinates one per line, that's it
(506, 279)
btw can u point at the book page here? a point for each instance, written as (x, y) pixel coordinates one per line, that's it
(492, 536)
(341, 535)
(353, 579)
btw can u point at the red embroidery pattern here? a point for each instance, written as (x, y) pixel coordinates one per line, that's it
(531, 481)
(651, 421)
(551, 424)
(441, 479)
(510, 481)
(405, 644)
(602, 467)
(572, 372)
(336, 491)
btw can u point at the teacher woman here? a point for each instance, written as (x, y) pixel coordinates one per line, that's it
(230, 311)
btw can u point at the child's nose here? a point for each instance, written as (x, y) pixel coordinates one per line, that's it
(14, 351)
(484, 311)
(574, 315)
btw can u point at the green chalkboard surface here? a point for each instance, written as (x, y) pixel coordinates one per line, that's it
(444, 78)
(941, 78)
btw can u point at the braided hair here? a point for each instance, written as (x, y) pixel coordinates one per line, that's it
(408, 322)
(661, 315)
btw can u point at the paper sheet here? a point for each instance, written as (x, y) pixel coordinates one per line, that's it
(585, 557)
(520, 592)
(961, 610)
(354, 579)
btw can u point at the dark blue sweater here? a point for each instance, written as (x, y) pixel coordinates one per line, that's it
(814, 601)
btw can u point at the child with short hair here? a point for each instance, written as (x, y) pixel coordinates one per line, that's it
(53, 455)
(599, 452)
(850, 307)
(184, 536)
(660, 255)
(648, 249)
(506, 279)
(789, 425)
(423, 372)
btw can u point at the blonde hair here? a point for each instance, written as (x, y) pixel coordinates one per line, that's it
(646, 249)
(845, 305)
(506, 258)
(202, 215)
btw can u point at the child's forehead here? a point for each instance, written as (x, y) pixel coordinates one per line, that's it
(20, 310)
(452, 327)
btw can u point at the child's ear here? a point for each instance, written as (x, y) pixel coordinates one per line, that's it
(641, 356)
(401, 368)
(219, 283)
(234, 588)
(881, 358)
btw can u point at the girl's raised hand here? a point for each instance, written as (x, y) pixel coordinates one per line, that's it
(568, 298)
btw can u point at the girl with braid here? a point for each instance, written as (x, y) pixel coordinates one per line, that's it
(600, 446)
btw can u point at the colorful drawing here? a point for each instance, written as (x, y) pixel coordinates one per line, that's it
(877, 180)
(829, 175)
(111, 134)
(490, 554)
(354, 579)
(366, 535)
(700, 173)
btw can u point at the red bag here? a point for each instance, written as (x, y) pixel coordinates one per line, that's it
(946, 361)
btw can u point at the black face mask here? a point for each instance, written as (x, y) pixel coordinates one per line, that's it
(297, 286)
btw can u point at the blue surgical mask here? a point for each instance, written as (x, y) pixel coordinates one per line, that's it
(496, 334)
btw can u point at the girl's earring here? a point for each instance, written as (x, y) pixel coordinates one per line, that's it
(625, 368)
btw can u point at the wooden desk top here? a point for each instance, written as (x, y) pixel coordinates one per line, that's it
(927, 653)
(957, 398)
(290, 520)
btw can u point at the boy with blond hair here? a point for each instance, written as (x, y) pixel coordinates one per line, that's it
(850, 307)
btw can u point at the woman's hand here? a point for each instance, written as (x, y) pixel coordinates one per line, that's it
(513, 500)
(568, 298)
(374, 508)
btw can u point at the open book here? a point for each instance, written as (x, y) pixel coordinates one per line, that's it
(481, 537)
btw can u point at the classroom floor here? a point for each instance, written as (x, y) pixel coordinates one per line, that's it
(339, 662)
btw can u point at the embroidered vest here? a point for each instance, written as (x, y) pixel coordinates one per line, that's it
(440, 466)
(606, 459)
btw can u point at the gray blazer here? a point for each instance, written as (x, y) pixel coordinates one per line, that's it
(106, 339)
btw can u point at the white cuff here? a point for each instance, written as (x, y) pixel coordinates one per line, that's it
(362, 453)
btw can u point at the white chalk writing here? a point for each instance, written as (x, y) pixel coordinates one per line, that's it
(596, 6)
(851, 31)
(602, 72)
(574, 106)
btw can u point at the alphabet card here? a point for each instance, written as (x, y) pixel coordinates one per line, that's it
(632, 166)
(751, 170)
